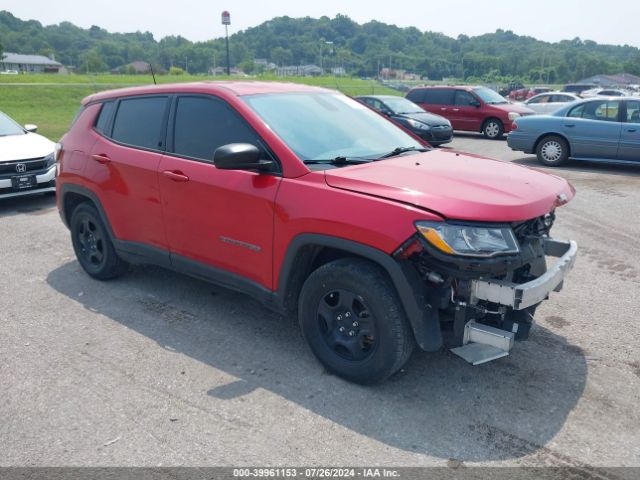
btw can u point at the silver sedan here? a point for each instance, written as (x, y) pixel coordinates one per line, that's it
(549, 102)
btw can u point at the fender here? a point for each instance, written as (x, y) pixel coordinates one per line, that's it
(424, 320)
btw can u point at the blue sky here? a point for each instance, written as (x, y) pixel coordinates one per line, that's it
(598, 20)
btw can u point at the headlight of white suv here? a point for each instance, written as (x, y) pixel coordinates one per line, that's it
(418, 125)
(514, 115)
(469, 240)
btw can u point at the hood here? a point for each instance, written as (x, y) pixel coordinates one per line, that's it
(458, 186)
(24, 147)
(514, 107)
(426, 118)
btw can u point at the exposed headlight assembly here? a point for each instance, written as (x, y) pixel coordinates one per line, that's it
(418, 125)
(469, 240)
(50, 159)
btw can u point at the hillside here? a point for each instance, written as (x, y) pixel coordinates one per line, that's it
(360, 49)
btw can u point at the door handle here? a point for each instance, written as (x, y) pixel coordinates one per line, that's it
(456, 109)
(176, 176)
(570, 125)
(443, 109)
(101, 158)
(631, 130)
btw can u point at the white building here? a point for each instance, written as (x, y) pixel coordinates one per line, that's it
(29, 63)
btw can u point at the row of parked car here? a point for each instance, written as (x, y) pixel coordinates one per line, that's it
(596, 128)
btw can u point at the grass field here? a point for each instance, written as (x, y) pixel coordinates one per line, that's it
(51, 101)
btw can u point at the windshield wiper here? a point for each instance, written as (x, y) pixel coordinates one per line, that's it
(340, 161)
(400, 150)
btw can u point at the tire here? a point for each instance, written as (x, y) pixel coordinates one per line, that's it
(552, 151)
(353, 321)
(493, 129)
(93, 246)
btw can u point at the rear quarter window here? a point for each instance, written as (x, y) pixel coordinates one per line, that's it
(104, 117)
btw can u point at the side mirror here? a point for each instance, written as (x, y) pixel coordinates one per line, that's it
(31, 128)
(475, 103)
(240, 156)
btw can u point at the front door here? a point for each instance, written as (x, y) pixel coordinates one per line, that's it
(464, 114)
(630, 137)
(219, 223)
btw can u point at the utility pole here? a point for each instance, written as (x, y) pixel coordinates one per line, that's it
(226, 21)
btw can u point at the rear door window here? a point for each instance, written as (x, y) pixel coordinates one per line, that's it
(602, 110)
(139, 122)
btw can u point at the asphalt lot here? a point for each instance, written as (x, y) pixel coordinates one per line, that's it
(159, 369)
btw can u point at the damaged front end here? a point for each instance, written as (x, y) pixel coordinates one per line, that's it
(482, 282)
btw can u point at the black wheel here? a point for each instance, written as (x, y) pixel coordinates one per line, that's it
(92, 244)
(353, 321)
(552, 151)
(493, 129)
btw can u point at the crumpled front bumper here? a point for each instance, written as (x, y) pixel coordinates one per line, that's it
(521, 296)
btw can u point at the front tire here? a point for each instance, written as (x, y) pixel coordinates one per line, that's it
(354, 323)
(92, 244)
(552, 151)
(493, 129)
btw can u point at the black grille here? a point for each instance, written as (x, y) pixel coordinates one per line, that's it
(31, 165)
(536, 227)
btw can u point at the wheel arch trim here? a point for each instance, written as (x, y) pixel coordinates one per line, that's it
(405, 279)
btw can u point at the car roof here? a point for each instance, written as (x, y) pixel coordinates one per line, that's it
(380, 97)
(461, 87)
(229, 87)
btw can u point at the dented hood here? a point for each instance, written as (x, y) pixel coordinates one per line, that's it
(458, 186)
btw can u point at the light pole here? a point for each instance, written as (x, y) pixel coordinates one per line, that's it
(322, 43)
(226, 21)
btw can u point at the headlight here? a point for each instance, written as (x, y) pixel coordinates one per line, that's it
(418, 125)
(469, 241)
(50, 159)
(513, 115)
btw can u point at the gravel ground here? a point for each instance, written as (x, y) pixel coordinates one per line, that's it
(159, 369)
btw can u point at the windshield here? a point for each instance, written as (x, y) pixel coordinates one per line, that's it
(9, 127)
(489, 96)
(402, 105)
(323, 126)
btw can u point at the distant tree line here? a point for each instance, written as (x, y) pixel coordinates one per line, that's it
(361, 50)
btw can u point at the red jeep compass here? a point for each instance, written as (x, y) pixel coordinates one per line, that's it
(319, 207)
(474, 109)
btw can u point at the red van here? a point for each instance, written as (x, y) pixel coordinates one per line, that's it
(474, 109)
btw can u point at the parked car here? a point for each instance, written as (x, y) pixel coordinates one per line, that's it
(525, 93)
(595, 129)
(433, 128)
(577, 88)
(549, 102)
(27, 163)
(603, 92)
(320, 208)
(474, 109)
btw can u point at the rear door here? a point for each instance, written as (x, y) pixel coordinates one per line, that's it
(594, 129)
(630, 137)
(124, 167)
(219, 223)
(435, 100)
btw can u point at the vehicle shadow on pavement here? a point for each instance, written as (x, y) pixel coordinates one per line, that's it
(34, 205)
(438, 405)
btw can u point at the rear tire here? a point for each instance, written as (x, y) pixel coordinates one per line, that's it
(552, 151)
(93, 246)
(493, 129)
(353, 321)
